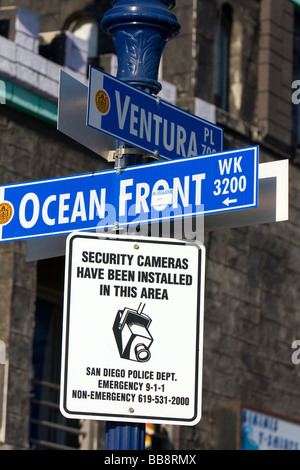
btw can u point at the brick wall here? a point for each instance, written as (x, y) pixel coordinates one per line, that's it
(252, 289)
(30, 150)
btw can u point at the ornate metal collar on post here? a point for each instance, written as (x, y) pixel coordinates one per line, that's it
(140, 31)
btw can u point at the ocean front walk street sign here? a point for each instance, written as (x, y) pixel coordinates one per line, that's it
(146, 122)
(133, 321)
(141, 194)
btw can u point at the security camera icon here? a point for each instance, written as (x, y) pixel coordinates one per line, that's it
(132, 334)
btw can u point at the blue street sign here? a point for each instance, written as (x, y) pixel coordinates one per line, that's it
(140, 194)
(146, 122)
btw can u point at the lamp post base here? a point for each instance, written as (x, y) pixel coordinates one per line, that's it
(124, 436)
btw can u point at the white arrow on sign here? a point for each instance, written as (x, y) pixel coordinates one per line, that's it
(229, 201)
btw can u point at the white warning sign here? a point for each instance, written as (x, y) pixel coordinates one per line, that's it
(133, 329)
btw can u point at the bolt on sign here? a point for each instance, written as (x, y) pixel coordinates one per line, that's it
(133, 329)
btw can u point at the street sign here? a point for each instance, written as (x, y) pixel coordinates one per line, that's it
(273, 206)
(140, 194)
(132, 329)
(72, 117)
(147, 122)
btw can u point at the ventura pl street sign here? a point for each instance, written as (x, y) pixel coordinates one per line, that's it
(146, 122)
(131, 308)
(140, 194)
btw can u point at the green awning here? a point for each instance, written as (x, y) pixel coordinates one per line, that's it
(26, 101)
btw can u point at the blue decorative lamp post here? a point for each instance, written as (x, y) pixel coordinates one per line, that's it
(140, 31)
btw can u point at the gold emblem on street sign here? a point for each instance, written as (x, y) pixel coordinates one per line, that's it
(102, 101)
(6, 212)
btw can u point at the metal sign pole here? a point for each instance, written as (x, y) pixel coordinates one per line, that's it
(140, 31)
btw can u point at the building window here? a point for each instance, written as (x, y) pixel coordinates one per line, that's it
(49, 429)
(86, 27)
(228, 61)
(222, 55)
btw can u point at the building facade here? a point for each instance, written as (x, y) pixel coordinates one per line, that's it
(237, 64)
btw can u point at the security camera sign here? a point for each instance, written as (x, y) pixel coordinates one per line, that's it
(133, 328)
